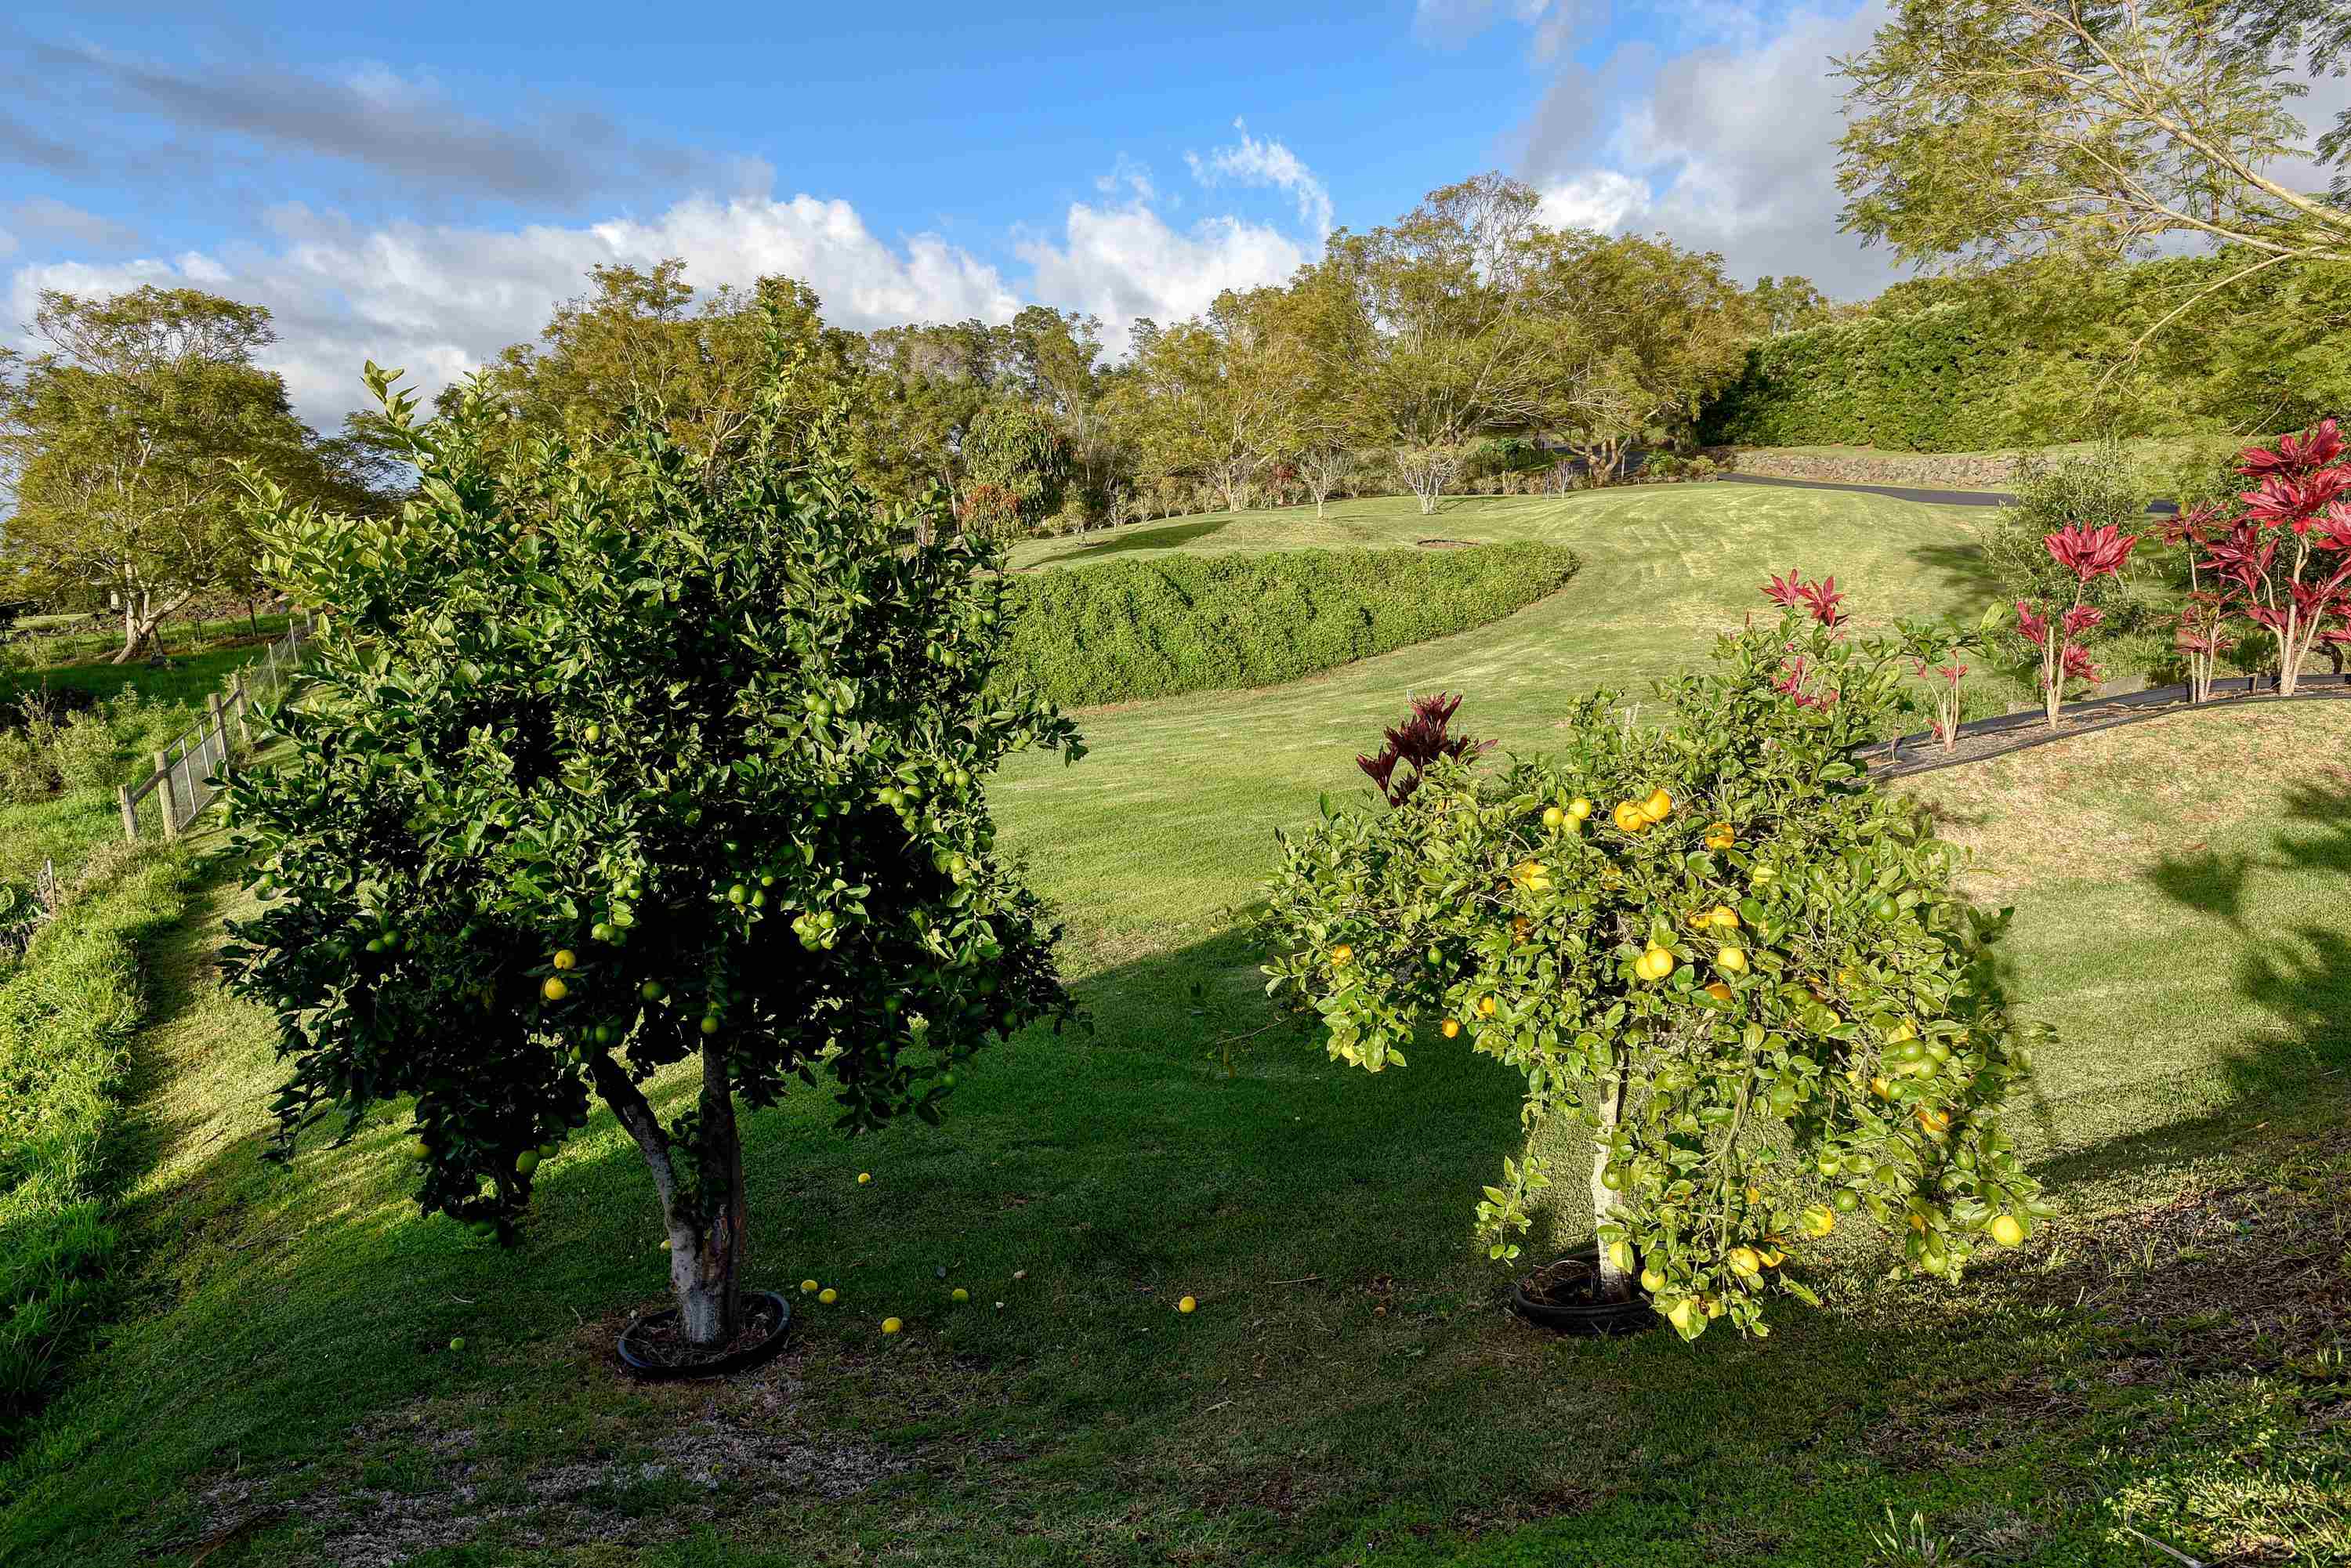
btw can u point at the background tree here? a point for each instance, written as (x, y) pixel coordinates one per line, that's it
(118, 439)
(1986, 131)
(1791, 304)
(603, 766)
(1018, 451)
(1445, 353)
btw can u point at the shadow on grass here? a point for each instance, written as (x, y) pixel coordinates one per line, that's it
(1171, 536)
(2298, 974)
(1959, 570)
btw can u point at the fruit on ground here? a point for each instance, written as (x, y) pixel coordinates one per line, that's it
(828, 1295)
(457, 1344)
(1186, 1304)
(864, 1178)
(891, 1325)
(2008, 1230)
(807, 1286)
(419, 1149)
(959, 1295)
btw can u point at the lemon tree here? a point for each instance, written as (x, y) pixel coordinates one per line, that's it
(603, 766)
(1712, 943)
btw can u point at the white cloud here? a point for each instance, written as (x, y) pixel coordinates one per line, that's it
(439, 301)
(1119, 263)
(1730, 148)
(1251, 162)
(46, 217)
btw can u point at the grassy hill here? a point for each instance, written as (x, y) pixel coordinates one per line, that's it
(1351, 1390)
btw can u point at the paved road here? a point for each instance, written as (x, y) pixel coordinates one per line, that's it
(1933, 498)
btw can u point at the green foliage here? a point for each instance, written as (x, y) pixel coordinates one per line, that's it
(67, 1015)
(1122, 630)
(1914, 382)
(1855, 1055)
(1016, 448)
(601, 765)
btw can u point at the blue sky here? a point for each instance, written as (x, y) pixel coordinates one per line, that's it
(419, 183)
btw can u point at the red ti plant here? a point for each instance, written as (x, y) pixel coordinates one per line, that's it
(2201, 635)
(1933, 650)
(1421, 741)
(2287, 560)
(2057, 630)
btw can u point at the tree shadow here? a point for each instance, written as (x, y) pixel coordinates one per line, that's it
(1170, 536)
(1958, 569)
(2298, 974)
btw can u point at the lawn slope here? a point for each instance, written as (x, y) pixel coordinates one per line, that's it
(1351, 1390)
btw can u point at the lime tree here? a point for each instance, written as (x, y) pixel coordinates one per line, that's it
(608, 761)
(1712, 943)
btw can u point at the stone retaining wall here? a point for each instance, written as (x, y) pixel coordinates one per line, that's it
(1910, 470)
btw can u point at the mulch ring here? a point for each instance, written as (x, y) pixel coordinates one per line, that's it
(1983, 738)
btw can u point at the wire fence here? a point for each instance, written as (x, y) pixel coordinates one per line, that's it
(189, 773)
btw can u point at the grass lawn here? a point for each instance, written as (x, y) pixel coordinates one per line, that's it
(1351, 1391)
(186, 679)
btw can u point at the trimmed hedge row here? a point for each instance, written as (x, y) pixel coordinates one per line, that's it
(66, 1017)
(1125, 629)
(1928, 382)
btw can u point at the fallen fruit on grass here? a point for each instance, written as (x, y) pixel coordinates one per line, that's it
(1186, 1304)
(828, 1295)
(959, 1295)
(2007, 1230)
(807, 1286)
(419, 1149)
(864, 1178)
(457, 1344)
(891, 1325)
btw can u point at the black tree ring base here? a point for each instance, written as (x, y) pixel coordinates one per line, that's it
(652, 1348)
(1560, 1297)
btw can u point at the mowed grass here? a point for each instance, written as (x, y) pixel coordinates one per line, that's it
(1352, 1390)
(1168, 820)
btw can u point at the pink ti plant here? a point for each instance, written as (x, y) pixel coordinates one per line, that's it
(2287, 558)
(2057, 632)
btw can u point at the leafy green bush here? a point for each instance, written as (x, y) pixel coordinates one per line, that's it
(1123, 630)
(1753, 980)
(67, 1015)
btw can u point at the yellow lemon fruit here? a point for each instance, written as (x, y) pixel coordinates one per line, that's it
(565, 959)
(1486, 1007)
(1554, 816)
(2007, 1230)
(1819, 1219)
(891, 1325)
(555, 990)
(1657, 807)
(1186, 1305)
(806, 1285)
(1450, 1027)
(1341, 953)
(1620, 1256)
(1579, 808)
(1734, 959)
(828, 1295)
(1629, 819)
(864, 1178)
(1683, 1315)
(1652, 1281)
(1722, 918)
(1719, 991)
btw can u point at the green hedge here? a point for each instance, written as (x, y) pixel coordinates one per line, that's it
(1123, 630)
(2018, 359)
(67, 1013)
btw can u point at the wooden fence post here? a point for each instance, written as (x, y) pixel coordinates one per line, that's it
(164, 789)
(242, 706)
(130, 814)
(220, 728)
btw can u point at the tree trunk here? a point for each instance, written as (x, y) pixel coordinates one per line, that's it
(706, 1236)
(1616, 1285)
(704, 1218)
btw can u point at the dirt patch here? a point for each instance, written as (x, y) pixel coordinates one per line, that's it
(1447, 544)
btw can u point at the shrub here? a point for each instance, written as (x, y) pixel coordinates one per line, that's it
(601, 766)
(1123, 630)
(1752, 980)
(67, 1016)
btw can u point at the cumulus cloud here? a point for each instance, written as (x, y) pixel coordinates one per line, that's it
(440, 301)
(1122, 263)
(1266, 163)
(1731, 147)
